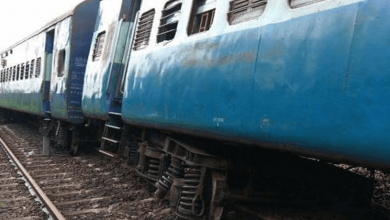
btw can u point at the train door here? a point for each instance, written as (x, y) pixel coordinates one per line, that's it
(49, 46)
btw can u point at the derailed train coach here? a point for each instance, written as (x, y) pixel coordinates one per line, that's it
(307, 77)
(191, 92)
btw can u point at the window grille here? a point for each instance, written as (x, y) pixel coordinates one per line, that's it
(10, 73)
(301, 3)
(22, 71)
(169, 21)
(243, 10)
(143, 30)
(2, 76)
(32, 68)
(14, 73)
(98, 47)
(17, 72)
(38, 68)
(26, 74)
(202, 16)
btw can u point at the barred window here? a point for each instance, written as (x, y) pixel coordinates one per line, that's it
(27, 70)
(38, 68)
(22, 71)
(9, 74)
(14, 73)
(32, 68)
(2, 76)
(301, 3)
(243, 10)
(17, 72)
(169, 21)
(143, 30)
(98, 47)
(202, 16)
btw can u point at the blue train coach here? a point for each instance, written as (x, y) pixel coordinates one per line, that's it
(43, 74)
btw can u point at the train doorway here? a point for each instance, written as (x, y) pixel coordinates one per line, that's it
(49, 47)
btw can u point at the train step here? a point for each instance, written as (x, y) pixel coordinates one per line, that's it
(111, 140)
(114, 127)
(107, 153)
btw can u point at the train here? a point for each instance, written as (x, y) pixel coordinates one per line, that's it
(187, 91)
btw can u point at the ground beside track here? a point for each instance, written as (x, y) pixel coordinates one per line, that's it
(91, 186)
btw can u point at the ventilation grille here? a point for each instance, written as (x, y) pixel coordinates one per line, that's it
(143, 30)
(243, 10)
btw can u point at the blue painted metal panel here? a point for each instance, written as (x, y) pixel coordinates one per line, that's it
(313, 84)
(24, 95)
(66, 90)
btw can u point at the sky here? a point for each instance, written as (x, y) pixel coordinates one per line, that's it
(20, 18)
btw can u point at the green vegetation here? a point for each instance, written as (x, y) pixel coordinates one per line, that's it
(1, 204)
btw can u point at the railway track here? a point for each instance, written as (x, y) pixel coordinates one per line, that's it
(84, 187)
(15, 200)
(91, 186)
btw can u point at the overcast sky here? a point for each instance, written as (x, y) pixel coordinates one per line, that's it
(20, 18)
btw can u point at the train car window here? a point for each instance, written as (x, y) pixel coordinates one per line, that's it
(168, 22)
(202, 16)
(143, 30)
(38, 68)
(14, 73)
(27, 70)
(17, 72)
(98, 47)
(32, 68)
(301, 3)
(244, 10)
(22, 71)
(61, 63)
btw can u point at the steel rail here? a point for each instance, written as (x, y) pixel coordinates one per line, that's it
(56, 214)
